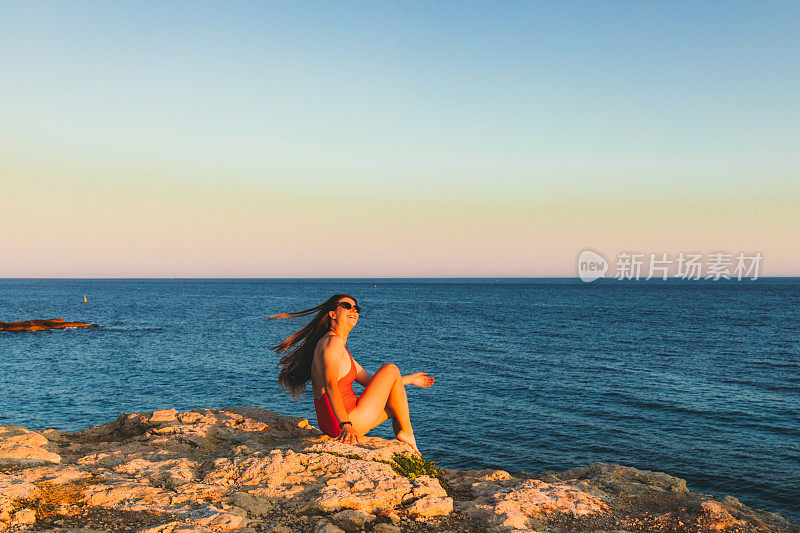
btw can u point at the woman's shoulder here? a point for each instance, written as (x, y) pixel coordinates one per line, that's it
(330, 340)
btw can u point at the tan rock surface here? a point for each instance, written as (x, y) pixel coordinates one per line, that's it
(251, 470)
(19, 446)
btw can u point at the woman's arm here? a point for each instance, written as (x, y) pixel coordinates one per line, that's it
(332, 353)
(420, 379)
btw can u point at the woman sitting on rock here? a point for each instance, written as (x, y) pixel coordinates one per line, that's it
(317, 353)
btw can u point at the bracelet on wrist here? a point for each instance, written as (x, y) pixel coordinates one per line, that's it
(342, 424)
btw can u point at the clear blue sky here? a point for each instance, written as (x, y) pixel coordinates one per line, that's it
(463, 103)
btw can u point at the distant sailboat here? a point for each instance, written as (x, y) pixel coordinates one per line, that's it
(84, 298)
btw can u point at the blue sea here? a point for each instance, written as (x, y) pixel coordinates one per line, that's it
(700, 379)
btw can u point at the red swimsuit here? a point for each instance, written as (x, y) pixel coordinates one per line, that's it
(325, 416)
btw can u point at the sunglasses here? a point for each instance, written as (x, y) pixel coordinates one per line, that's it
(348, 305)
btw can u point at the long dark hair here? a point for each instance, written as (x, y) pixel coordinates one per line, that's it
(296, 364)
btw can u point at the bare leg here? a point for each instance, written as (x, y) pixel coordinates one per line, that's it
(388, 414)
(385, 395)
(398, 401)
(395, 424)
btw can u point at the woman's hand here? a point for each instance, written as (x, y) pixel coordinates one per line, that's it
(348, 435)
(420, 379)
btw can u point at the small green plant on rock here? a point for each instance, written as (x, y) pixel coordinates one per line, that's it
(412, 467)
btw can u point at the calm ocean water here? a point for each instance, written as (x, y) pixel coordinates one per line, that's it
(697, 379)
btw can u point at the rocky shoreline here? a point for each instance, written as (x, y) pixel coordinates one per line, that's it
(42, 325)
(249, 469)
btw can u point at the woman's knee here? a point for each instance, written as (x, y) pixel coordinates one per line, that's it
(390, 367)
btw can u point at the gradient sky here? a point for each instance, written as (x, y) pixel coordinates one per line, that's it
(394, 139)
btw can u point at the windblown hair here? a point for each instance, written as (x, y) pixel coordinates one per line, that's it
(295, 365)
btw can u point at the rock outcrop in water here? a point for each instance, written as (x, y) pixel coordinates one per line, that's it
(248, 469)
(42, 325)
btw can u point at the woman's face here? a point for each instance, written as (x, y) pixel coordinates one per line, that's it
(343, 315)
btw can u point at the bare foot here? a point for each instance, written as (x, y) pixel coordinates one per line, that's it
(408, 438)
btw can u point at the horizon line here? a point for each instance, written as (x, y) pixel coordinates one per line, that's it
(783, 276)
